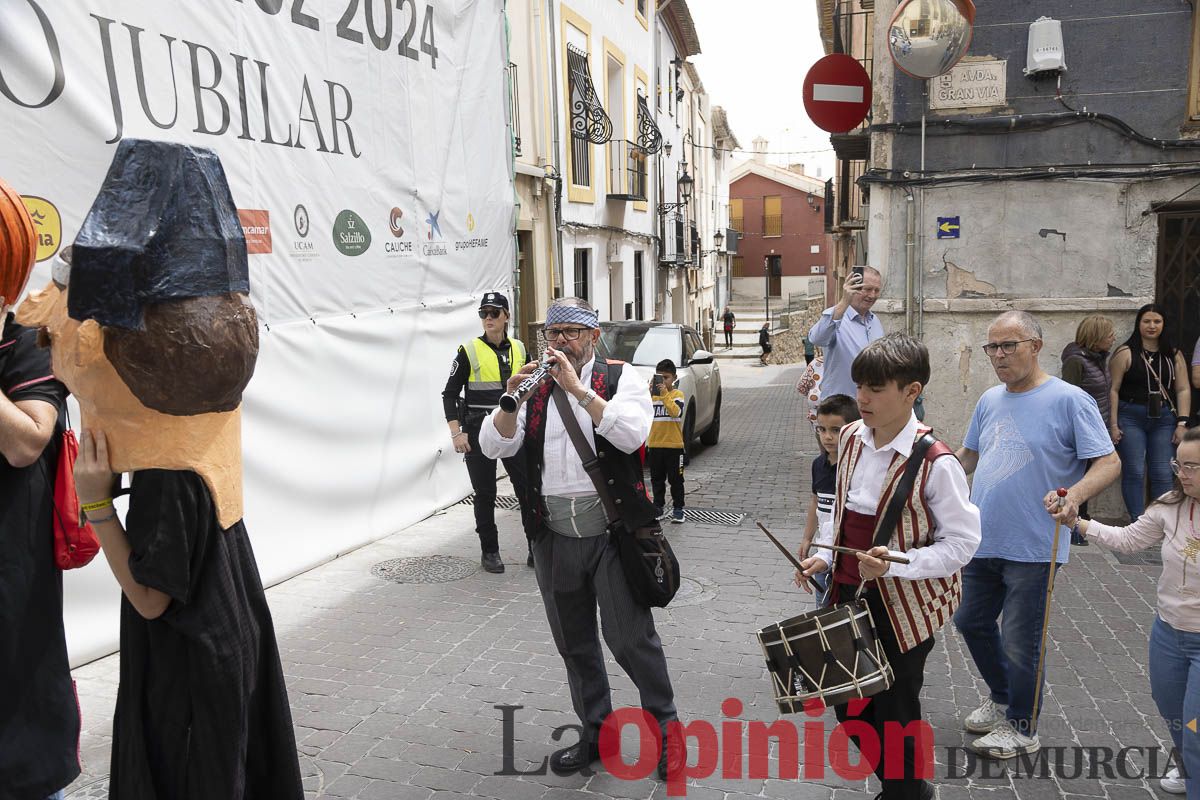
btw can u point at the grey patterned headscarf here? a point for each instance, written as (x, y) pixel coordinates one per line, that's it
(571, 315)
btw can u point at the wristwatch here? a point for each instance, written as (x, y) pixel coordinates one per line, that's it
(587, 398)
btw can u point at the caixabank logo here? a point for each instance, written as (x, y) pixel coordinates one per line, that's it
(351, 236)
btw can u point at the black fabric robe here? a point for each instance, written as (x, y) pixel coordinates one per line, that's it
(202, 709)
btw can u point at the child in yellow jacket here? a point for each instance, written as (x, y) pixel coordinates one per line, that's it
(664, 448)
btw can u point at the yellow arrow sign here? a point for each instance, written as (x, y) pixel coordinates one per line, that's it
(1191, 726)
(946, 227)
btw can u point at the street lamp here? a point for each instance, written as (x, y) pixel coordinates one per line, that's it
(718, 240)
(685, 184)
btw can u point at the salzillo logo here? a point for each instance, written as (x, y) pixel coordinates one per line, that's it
(394, 222)
(300, 217)
(350, 234)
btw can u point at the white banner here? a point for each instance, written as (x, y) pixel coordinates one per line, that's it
(367, 150)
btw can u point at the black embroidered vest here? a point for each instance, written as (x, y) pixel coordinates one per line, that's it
(622, 471)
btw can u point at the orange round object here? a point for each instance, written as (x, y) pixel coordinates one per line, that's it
(18, 244)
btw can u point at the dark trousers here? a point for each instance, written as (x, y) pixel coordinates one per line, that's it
(575, 576)
(900, 704)
(666, 464)
(729, 337)
(483, 482)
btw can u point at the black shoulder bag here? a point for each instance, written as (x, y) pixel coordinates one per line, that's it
(649, 563)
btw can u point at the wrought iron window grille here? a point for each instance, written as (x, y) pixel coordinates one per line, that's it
(589, 120)
(650, 137)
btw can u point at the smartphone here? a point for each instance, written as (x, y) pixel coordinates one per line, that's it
(860, 272)
(658, 383)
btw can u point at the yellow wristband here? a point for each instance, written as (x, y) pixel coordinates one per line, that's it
(97, 505)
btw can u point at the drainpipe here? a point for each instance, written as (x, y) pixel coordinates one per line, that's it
(558, 179)
(909, 245)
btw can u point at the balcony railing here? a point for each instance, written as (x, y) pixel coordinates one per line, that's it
(772, 225)
(626, 171)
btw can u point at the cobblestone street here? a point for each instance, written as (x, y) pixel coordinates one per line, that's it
(394, 685)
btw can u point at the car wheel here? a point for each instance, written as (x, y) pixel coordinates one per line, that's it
(689, 434)
(713, 434)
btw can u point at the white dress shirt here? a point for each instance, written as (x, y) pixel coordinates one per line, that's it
(626, 423)
(956, 534)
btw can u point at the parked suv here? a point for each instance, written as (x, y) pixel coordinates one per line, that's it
(644, 344)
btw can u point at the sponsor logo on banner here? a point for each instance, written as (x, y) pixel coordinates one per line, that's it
(434, 228)
(256, 226)
(469, 244)
(302, 248)
(47, 224)
(350, 234)
(470, 223)
(397, 248)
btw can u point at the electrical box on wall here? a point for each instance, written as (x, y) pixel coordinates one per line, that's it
(614, 251)
(1045, 56)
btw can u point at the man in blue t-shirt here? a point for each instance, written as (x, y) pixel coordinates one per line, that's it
(1028, 437)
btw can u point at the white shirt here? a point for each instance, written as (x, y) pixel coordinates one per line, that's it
(956, 535)
(626, 423)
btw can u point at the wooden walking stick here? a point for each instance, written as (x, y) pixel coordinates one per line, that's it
(1037, 684)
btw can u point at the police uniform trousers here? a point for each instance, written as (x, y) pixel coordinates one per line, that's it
(575, 575)
(482, 471)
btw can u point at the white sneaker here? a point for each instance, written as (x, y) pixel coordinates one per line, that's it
(1004, 742)
(985, 718)
(1172, 783)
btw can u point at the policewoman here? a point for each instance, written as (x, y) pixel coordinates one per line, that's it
(481, 368)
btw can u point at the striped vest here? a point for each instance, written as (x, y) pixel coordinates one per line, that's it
(917, 609)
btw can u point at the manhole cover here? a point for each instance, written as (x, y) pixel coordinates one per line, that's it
(502, 501)
(96, 790)
(425, 569)
(693, 592)
(709, 516)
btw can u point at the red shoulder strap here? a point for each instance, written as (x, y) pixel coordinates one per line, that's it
(937, 450)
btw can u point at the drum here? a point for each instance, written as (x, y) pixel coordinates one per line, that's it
(831, 654)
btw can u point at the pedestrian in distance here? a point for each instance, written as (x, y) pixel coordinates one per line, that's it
(577, 565)
(39, 718)
(1151, 400)
(729, 320)
(843, 330)
(936, 530)
(478, 373)
(833, 414)
(764, 341)
(664, 448)
(1085, 364)
(1173, 523)
(1030, 432)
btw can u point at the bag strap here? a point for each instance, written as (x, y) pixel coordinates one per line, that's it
(895, 507)
(591, 464)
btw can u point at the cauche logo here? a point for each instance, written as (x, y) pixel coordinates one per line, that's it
(394, 222)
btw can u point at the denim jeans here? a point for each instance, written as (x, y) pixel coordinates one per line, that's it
(1005, 654)
(1144, 441)
(1175, 686)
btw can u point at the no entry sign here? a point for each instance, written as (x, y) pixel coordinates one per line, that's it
(837, 93)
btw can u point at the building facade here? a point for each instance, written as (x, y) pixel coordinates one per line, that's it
(783, 248)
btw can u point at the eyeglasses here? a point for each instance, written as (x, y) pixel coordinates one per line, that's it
(490, 313)
(1184, 469)
(569, 334)
(1008, 347)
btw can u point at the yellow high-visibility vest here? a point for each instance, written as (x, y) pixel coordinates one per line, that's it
(485, 370)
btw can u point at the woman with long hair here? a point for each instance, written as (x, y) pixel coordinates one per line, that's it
(1085, 364)
(1173, 520)
(1151, 400)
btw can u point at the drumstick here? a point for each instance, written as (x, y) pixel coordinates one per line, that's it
(788, 554)
(850, 550)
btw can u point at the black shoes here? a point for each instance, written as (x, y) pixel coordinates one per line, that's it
(491, 562)
(575, 758)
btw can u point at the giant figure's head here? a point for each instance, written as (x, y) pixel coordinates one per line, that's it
(150, 324)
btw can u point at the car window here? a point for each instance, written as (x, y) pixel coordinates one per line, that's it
(689, 347)
(641, 346)
(697, 343)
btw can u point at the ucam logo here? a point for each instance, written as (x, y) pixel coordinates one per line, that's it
(350, 234)
(47, 225)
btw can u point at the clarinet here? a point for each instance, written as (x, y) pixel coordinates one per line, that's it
(509, 401)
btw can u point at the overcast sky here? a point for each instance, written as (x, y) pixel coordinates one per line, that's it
(754, 55)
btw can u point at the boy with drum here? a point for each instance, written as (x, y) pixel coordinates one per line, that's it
(937, 532)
